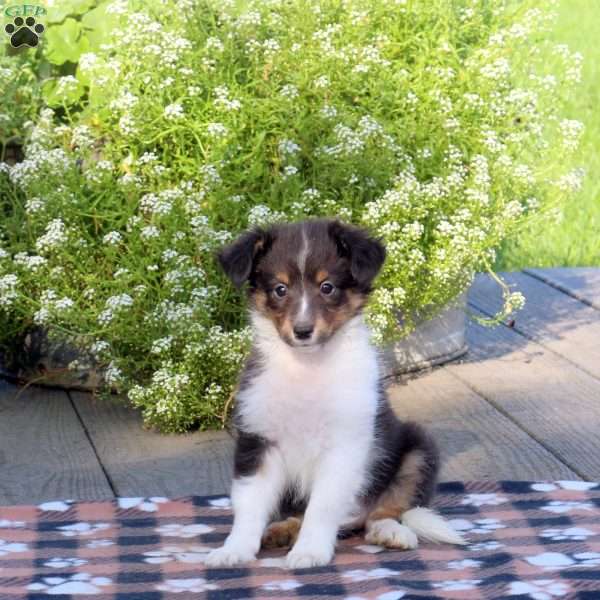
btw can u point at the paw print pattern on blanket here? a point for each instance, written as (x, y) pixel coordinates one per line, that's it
(184, 554)
(577, 534)
(80, 583)
(549, 561)
(479, 526)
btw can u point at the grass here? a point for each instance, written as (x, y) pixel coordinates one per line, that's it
(573, 237)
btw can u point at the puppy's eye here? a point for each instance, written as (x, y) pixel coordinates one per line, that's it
(327, 288)
(280, 290)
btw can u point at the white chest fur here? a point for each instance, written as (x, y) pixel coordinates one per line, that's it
(310, 404)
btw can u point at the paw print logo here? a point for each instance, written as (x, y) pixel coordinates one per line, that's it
(24, 32)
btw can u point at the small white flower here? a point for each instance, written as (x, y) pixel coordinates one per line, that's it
(149, 232)
(322, 82)
(214, 43)
(223, 99)
(288, 148)
(329, 112)
(173, 111)
(127, 125)
(112, 238)
(289, 92)
(161, 345)
(217, 130)
(55, 236)
(34, 205)
(289, 171)
(147, 158)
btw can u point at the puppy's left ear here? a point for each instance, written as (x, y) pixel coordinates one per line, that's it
(239, 258)
(366, 253)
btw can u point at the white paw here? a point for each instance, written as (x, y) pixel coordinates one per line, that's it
(390, 533)
(305, 558)
(226, 557)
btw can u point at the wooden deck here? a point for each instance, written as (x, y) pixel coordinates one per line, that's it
(523, 404)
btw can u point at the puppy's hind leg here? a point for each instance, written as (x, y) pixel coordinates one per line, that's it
(399, 517)
(382, 526)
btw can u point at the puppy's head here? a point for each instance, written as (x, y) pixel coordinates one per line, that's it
(308, 278)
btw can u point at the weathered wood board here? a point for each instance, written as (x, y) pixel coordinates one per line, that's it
(582, 283)
(475, 440)
(44, 452)
(552, 318)
(523, 404)
(552, 400)
(145, 463)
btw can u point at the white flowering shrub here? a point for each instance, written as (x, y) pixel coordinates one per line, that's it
(433, 123)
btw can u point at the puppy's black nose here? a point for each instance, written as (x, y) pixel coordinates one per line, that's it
(303, 332)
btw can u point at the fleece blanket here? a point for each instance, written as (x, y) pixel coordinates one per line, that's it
(526, 540)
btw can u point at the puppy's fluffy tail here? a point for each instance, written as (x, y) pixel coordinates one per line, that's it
(428, 525)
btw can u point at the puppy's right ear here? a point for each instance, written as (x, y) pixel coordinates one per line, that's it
(239, 258)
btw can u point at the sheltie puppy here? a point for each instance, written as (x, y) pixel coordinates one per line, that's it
(319, 449)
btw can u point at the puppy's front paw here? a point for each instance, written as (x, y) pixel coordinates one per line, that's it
(227, 557)
(304, 558)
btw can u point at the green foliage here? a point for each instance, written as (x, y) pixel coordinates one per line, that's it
(66, 42)
(569, 235)
(433, 123)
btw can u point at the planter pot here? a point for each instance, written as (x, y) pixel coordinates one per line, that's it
(36, 359)
(433, 342)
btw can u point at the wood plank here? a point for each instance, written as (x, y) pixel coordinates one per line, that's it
(582, 283)
(550, 398)
(44, 452)
(475, 440)
(550, 317)
(145, 463)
